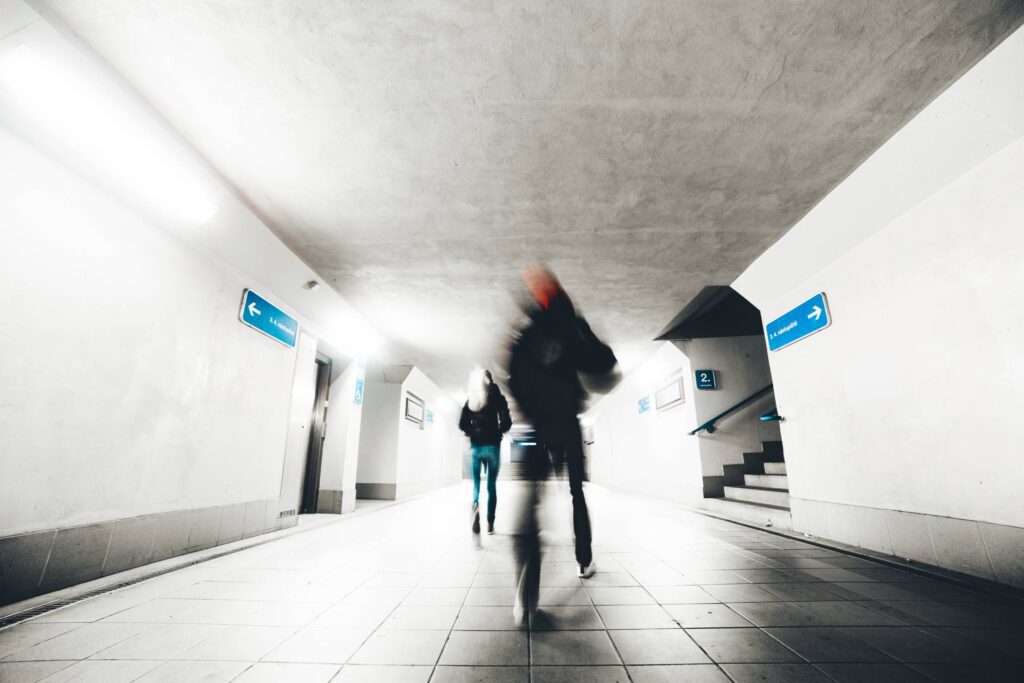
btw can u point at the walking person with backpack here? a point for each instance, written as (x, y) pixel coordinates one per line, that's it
(485, 419)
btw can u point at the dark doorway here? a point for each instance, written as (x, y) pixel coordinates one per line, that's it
(311, 479)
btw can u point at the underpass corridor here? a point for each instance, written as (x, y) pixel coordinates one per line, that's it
(404, 592)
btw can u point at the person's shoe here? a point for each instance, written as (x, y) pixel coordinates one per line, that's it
(490, 526)
(476, 518)
(587, 570)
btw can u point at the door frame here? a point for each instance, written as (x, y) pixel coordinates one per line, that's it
(317, 434)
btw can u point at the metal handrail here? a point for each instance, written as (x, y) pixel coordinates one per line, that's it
(709, 426)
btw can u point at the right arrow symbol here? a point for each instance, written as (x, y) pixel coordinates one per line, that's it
(815, 314)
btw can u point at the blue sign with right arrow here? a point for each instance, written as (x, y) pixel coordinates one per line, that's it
(809, 317)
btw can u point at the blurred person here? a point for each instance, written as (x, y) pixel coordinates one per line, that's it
(545, 363)
(484, 419)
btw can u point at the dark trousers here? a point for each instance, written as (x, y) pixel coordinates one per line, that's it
(559, 444)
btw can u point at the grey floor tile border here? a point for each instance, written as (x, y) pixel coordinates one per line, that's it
(938, 573)
(17, 612)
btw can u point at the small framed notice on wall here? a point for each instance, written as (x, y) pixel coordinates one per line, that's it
(670, 394)
(414, 409)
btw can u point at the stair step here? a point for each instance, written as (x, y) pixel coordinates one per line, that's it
(772, 448)
(775, 468)
(766, 515)
(756, 494)
(767, 481)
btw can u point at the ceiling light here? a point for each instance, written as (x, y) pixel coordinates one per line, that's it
(72, 111)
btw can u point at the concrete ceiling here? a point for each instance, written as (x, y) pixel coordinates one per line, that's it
(417, 154)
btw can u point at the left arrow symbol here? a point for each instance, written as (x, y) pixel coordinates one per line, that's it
(816, 313)
(253, 310)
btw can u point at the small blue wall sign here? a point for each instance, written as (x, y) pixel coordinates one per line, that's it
(430, 416)
(809, 317)
(358, 398)
(643, 404)
(706, 379)
(261, 315)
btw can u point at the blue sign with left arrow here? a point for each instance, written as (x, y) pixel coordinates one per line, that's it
(809, 317)
(260, 314)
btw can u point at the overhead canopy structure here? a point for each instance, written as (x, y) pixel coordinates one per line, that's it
(715, 312)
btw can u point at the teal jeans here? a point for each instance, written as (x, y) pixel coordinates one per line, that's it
(489, 457)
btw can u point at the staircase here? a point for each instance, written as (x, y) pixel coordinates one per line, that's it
(756, 491)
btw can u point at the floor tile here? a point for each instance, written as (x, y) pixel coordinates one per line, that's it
(572, 648)
(817, 644)
(606, 595)
(497, 596)
(638, 616)
(274, 672)
(908, 644)
(195, 672)
(741, 645)
(422, 618)
(564, 595)
(706, 616)
(436, 596)
(976, 673)
(677, 673)
(481, 674)
(871, 673)
(741, 593)
(567, 618)
(30, 672)
(485, 648)
(296, 614)
(24, 636)
(578, 674)
(103, 671)
(239, 643)
(87, 610)
(486, 618)
(657, 647)
(352, 616)
(160, 642)
(775, 614)
(79, 643)
(845, 613)
(401, 647)
(610, 579)
(319, 646)
(681, 595)
(774, 673)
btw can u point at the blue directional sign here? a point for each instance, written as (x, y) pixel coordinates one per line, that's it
(643, 404)
(358, 397)
(260, 314)
(809, 317)
(430, 416)
(706, 379)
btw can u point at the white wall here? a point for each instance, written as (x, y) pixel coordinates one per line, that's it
(127, 384)
(903, 426)
(648, 453)
(427, 457)
(341, 447)
(378, 442)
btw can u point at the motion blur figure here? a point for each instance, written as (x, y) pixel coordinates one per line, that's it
(484, 419)
(545, 363)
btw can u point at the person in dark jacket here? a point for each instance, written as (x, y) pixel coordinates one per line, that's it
(485, 418)
(545, 363)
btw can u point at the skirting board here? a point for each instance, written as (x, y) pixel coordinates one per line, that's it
(990, 551)
(44, 561)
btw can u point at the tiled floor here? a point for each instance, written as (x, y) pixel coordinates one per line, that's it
(405, 594)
